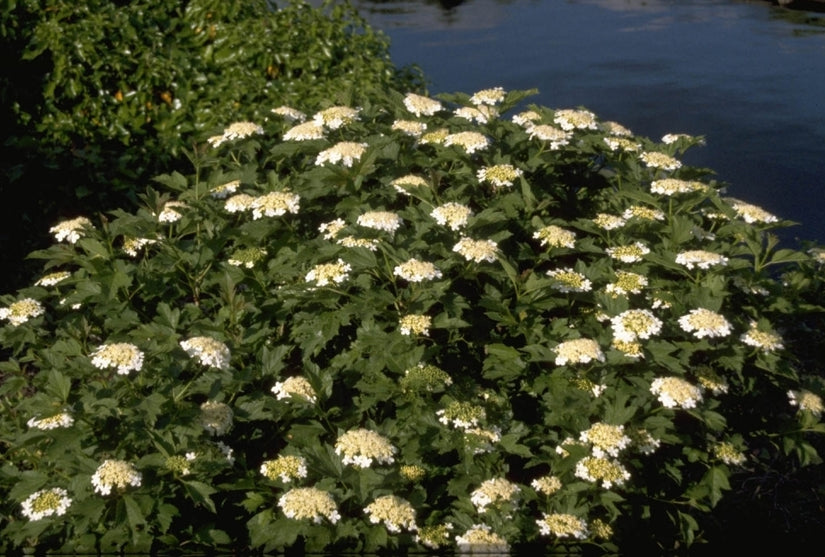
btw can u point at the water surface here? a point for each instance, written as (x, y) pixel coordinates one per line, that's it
(749, 80)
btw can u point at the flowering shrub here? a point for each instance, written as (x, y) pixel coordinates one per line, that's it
(468, 333)
(99, 97)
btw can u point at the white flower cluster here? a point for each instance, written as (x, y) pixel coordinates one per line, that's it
(45, 503)
(360, 447)
(209, 351)
(121, 355)
(117, 474)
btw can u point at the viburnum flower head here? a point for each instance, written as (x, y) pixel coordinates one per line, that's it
(544, 132)
(562, 525)
(294, 387)
(236, 130)
(480, 440)
(412, 473)
(309, 503)
(630, 253)
(45, 503)
(623, 144)
(353, 242)
(208, 351)
(290, 114)
(345, 152)
(705, 323)
(434, 536)
(488, 96)
(626, 283)
(409, 127)
(239, 203)
(404, 184)
(21, 311)
(494, 492)
(414, 270)
(285, 467)
(121, 355)
(643, 213)
(454, 215)
(115, 474)
(481, 115)
(216, 417)
(599, 469)
(632, 350)
(568, 280)
(380, 220)
(71, 230)
(360, 447)
(635, 324)
(53, 278)
(275, 204)
(654, 159)
(766, 341)
(425, 377)
(420, 105)
(335, 116)
(606, 439)
(669, 138)
(616, 129)
(751, 214)
(331, 229)
(481, 539)
(462, 415)
(644, 442)
(499, 175)
(675, 392)
(527, 118)
(396, 513)
(415, 324)
(435, 137)
(700, 258)
(329, 273)
(306, 131)
(729, 454)
(578, 351)
(673, 186)
(61, 419)
(477, 250)
(807, 401)
(180, 464)
(469, 141)
(607, 221)
(555, 237)
(224, 190)
(171, 211)
(570, 119)
(547, 485)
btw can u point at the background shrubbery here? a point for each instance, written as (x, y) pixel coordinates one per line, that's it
(99, 96)
(168, 334)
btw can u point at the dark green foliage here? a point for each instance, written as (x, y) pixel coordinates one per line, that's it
(98, 96)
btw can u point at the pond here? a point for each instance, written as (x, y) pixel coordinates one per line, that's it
(749, 76)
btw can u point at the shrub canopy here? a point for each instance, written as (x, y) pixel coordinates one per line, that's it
(408, 323)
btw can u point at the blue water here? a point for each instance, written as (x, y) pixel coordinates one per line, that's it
(751, 83)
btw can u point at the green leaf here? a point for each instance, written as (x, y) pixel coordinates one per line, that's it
(717, 480)
(58, 385)
(502, 362)
(175, 181)
(200, 493)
